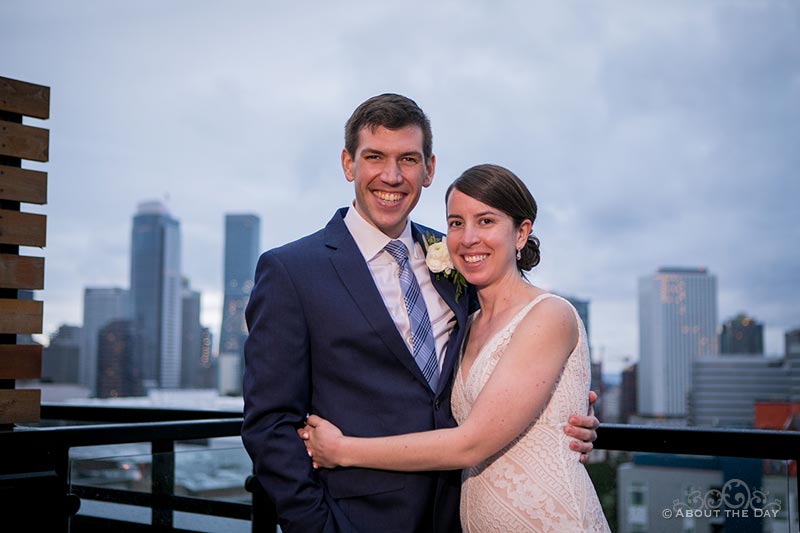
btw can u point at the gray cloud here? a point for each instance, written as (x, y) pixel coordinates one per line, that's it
(651, 134)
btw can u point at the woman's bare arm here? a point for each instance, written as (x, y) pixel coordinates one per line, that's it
(513, 397)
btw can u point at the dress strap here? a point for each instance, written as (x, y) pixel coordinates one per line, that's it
(525, 310)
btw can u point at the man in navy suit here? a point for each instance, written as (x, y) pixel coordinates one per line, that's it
(330, 334)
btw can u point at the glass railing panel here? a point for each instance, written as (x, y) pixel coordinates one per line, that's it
(117, 483)
(643, 492)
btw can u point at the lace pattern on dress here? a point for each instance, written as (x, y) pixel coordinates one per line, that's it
(536, 483)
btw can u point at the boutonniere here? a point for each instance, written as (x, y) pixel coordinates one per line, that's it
(438, 260)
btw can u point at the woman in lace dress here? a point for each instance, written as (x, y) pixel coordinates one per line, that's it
(524, 369)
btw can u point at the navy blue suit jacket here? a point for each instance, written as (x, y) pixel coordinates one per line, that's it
(321, 341)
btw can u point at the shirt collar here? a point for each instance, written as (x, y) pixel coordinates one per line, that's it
(370, 240)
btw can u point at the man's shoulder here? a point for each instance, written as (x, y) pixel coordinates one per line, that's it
(425, 231)
(301, 247)
(311, 244)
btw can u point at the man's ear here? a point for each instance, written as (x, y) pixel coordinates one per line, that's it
(347, 165)
(430, 168)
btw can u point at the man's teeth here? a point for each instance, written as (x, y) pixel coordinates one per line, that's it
(474, 258)
(388, 196)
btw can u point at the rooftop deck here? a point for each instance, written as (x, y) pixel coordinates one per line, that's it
(50, 478)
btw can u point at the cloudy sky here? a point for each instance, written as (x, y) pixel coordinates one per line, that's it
(651, 133)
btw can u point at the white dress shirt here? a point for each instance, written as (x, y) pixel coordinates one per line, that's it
(386, 273)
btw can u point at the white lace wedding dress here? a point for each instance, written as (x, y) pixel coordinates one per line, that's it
(536, 483)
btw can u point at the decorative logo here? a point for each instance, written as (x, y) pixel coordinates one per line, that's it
(734, 500)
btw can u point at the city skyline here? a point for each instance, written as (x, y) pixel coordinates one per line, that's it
(239, 274)
(650, 134)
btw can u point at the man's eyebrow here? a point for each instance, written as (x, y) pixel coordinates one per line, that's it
(415, 153)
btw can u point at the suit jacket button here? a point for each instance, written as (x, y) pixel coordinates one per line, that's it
(437, 404)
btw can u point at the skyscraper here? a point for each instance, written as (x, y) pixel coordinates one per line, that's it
(792, 341)
(741, 335)
(207, 361)
(156, 295)
(628, 389)
(677, 323)
(118, 373)
(60, 358)
(725, 389)
(195, 358)
(242, 246)
(101, 305)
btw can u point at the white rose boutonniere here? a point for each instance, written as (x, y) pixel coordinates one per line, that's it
(438, 260)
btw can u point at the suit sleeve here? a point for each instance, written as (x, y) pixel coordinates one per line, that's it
(277, 392)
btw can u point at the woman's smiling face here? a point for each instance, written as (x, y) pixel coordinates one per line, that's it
(482, 241)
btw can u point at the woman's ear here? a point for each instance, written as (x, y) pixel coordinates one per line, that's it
(523, 232)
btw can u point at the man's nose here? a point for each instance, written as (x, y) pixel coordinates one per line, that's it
(391, 173)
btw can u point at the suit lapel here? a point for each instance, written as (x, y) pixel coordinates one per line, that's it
(357, 280)
(447, 290)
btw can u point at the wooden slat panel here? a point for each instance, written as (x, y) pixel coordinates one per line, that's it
(24, 98)
(20, 405)
(20, 316)
(25, 229)
(23, 185)
(23, 361)
(21, 272)
(25, 142)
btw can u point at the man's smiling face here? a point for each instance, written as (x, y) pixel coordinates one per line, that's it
(389, 171)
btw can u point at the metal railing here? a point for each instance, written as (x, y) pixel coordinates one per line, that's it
(34, 474)
(40, 479)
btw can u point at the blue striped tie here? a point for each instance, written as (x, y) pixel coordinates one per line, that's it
(421, 329)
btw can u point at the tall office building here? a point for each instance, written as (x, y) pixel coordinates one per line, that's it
(191, 333)
(792, 342)
(118, 373)
(101, 305)
(242, 244)
(156, 295)
(677, 323)
(195, 358)
(741, 335)
(627, 399)
(208, 376)
(794, 376)
(725, 390)
(60, 357)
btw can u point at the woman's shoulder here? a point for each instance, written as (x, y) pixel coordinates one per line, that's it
(550, 315)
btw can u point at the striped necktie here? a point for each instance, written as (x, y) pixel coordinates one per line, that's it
(421, 329)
